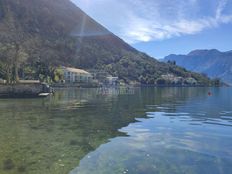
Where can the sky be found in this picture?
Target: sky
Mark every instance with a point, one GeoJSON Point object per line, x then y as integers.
{"type": "Point", "coordinates": [163, 27]}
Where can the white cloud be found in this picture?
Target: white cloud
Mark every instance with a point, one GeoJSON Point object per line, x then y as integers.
{"type": "Point", "coordinates": [220, 8]}
{"type": "Point", "coordinates": [143, 21]}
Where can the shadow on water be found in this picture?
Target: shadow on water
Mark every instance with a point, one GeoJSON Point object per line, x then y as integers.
{"type": "Point", "coordinates": [52, 135]}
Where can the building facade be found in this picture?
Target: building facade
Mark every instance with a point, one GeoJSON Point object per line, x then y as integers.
{"type": "Point", "coordinates": [74, 75]}
{"type": "Point", "coordinates": [112, 81]}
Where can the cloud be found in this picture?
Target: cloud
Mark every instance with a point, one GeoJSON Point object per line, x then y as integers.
{"type": "Point", "coordinates": [220, 8]}
{"type": "Point", "coordinates": [143, 21]}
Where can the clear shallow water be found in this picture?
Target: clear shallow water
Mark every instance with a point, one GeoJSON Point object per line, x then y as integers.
{"type": "Point", "coordinates": [154, 130]}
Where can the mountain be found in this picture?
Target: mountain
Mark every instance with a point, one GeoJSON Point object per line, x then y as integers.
{"type": "Point", "coordinates": [213, 63]}
{"type": "Point", "coordinates": [38, 34]}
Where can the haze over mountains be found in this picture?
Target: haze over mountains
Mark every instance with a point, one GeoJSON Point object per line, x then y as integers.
{"type": "Point", "coordinates": [214, 63]}
{"type": "Point", "coordinates": [56, 32]}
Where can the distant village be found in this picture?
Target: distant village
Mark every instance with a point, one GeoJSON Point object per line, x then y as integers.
{"type": "Point", "coordinates": [78, 78]}
{"type": "Point", "coordinates": [92, 78]}
{"type": "Point", "coordinates": [74, 77]}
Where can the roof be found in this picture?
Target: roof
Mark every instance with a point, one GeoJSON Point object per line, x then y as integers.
{"type": "Point", "coordinates": [29, 81]}
{"type": "Point", "coordinates": [112, 78]}
{"type": "Point", "coordinates": [75, 70]}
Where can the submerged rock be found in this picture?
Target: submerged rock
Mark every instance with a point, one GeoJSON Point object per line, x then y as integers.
{"type": "Point", "coordinates": [21, 168]}
{"type": "Point", "coordinates": [8, 164]}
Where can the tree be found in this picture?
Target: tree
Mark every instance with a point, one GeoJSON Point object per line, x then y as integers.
{"type": "Point", "coordinates": [161, 81]}
{"type": "Point", "coordinates": [11, 58]}
{"type": "Point", "coordinates": [6, 61]}
{"type": "Point", "coordinates": [217, 81]}
{"type": "Point", "coordinates": [12, 54]}
{"type": "Point", "coordinates": [58, 74]}
{"type": "Point", "coordinates": [171, 62]}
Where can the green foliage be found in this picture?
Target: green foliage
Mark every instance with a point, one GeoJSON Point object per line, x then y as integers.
{"type": "Point", "coordinates": [37, 41]}
{"type": "Point", "coordinates": [58, 74]}
{"type": "Point", "coordinates": [161, 81]}
{"type": "Point", "coordinates": [216, 82]}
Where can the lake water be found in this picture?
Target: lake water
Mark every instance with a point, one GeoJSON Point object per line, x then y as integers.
{"type": "Point", "coordinates": [135, 131]}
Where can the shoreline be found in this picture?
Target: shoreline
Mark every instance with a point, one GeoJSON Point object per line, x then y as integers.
{"type": "Point", "coordinates": [40, 90]}
{"type": "Point", "coordinates": [24, 90]}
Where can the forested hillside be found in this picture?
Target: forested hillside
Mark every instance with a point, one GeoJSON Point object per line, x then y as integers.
{"type": "Point", "coordinates": [213, 63]}
{"type": "Point", "coordinates": [37, 36]}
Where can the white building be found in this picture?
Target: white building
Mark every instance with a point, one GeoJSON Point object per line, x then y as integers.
{"type": "Point", "coordinates": [112, 80]}
{"type": "Point", "coordinates": [74, 75]}
{"type": "Point", "coordinates": [2, 81]}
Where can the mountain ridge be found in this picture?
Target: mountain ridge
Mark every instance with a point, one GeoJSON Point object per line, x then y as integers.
{"type": "Point", "coordinates": [214, 63]}
{"type": "Point", "coordinates": [57, 32]}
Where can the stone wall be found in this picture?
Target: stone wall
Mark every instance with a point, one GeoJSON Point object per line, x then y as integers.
{"type": "Point", "coordinates": [21, 90]}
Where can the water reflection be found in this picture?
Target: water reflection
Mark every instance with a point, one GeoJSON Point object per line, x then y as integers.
{"type": "Point", "coordinates": [180, 136]}
{"type": "Point", "coordinates": [112, 132]}
{"type": "Point", "coordinates": [51, 135]}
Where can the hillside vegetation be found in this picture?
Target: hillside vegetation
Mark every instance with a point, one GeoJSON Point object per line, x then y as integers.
{"type": "Point", "coordinates": [213, 63]}
{"type": "Point", "coordinates": [37, 36]}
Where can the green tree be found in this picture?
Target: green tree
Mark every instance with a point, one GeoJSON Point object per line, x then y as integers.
{"type": "Point", "coordinates": [12, 39]}
{"type": "Point", "coordinates": [7, 61]}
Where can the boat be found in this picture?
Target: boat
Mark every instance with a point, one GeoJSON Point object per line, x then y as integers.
{"type": "Point", "coordinates": [44, 94]}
